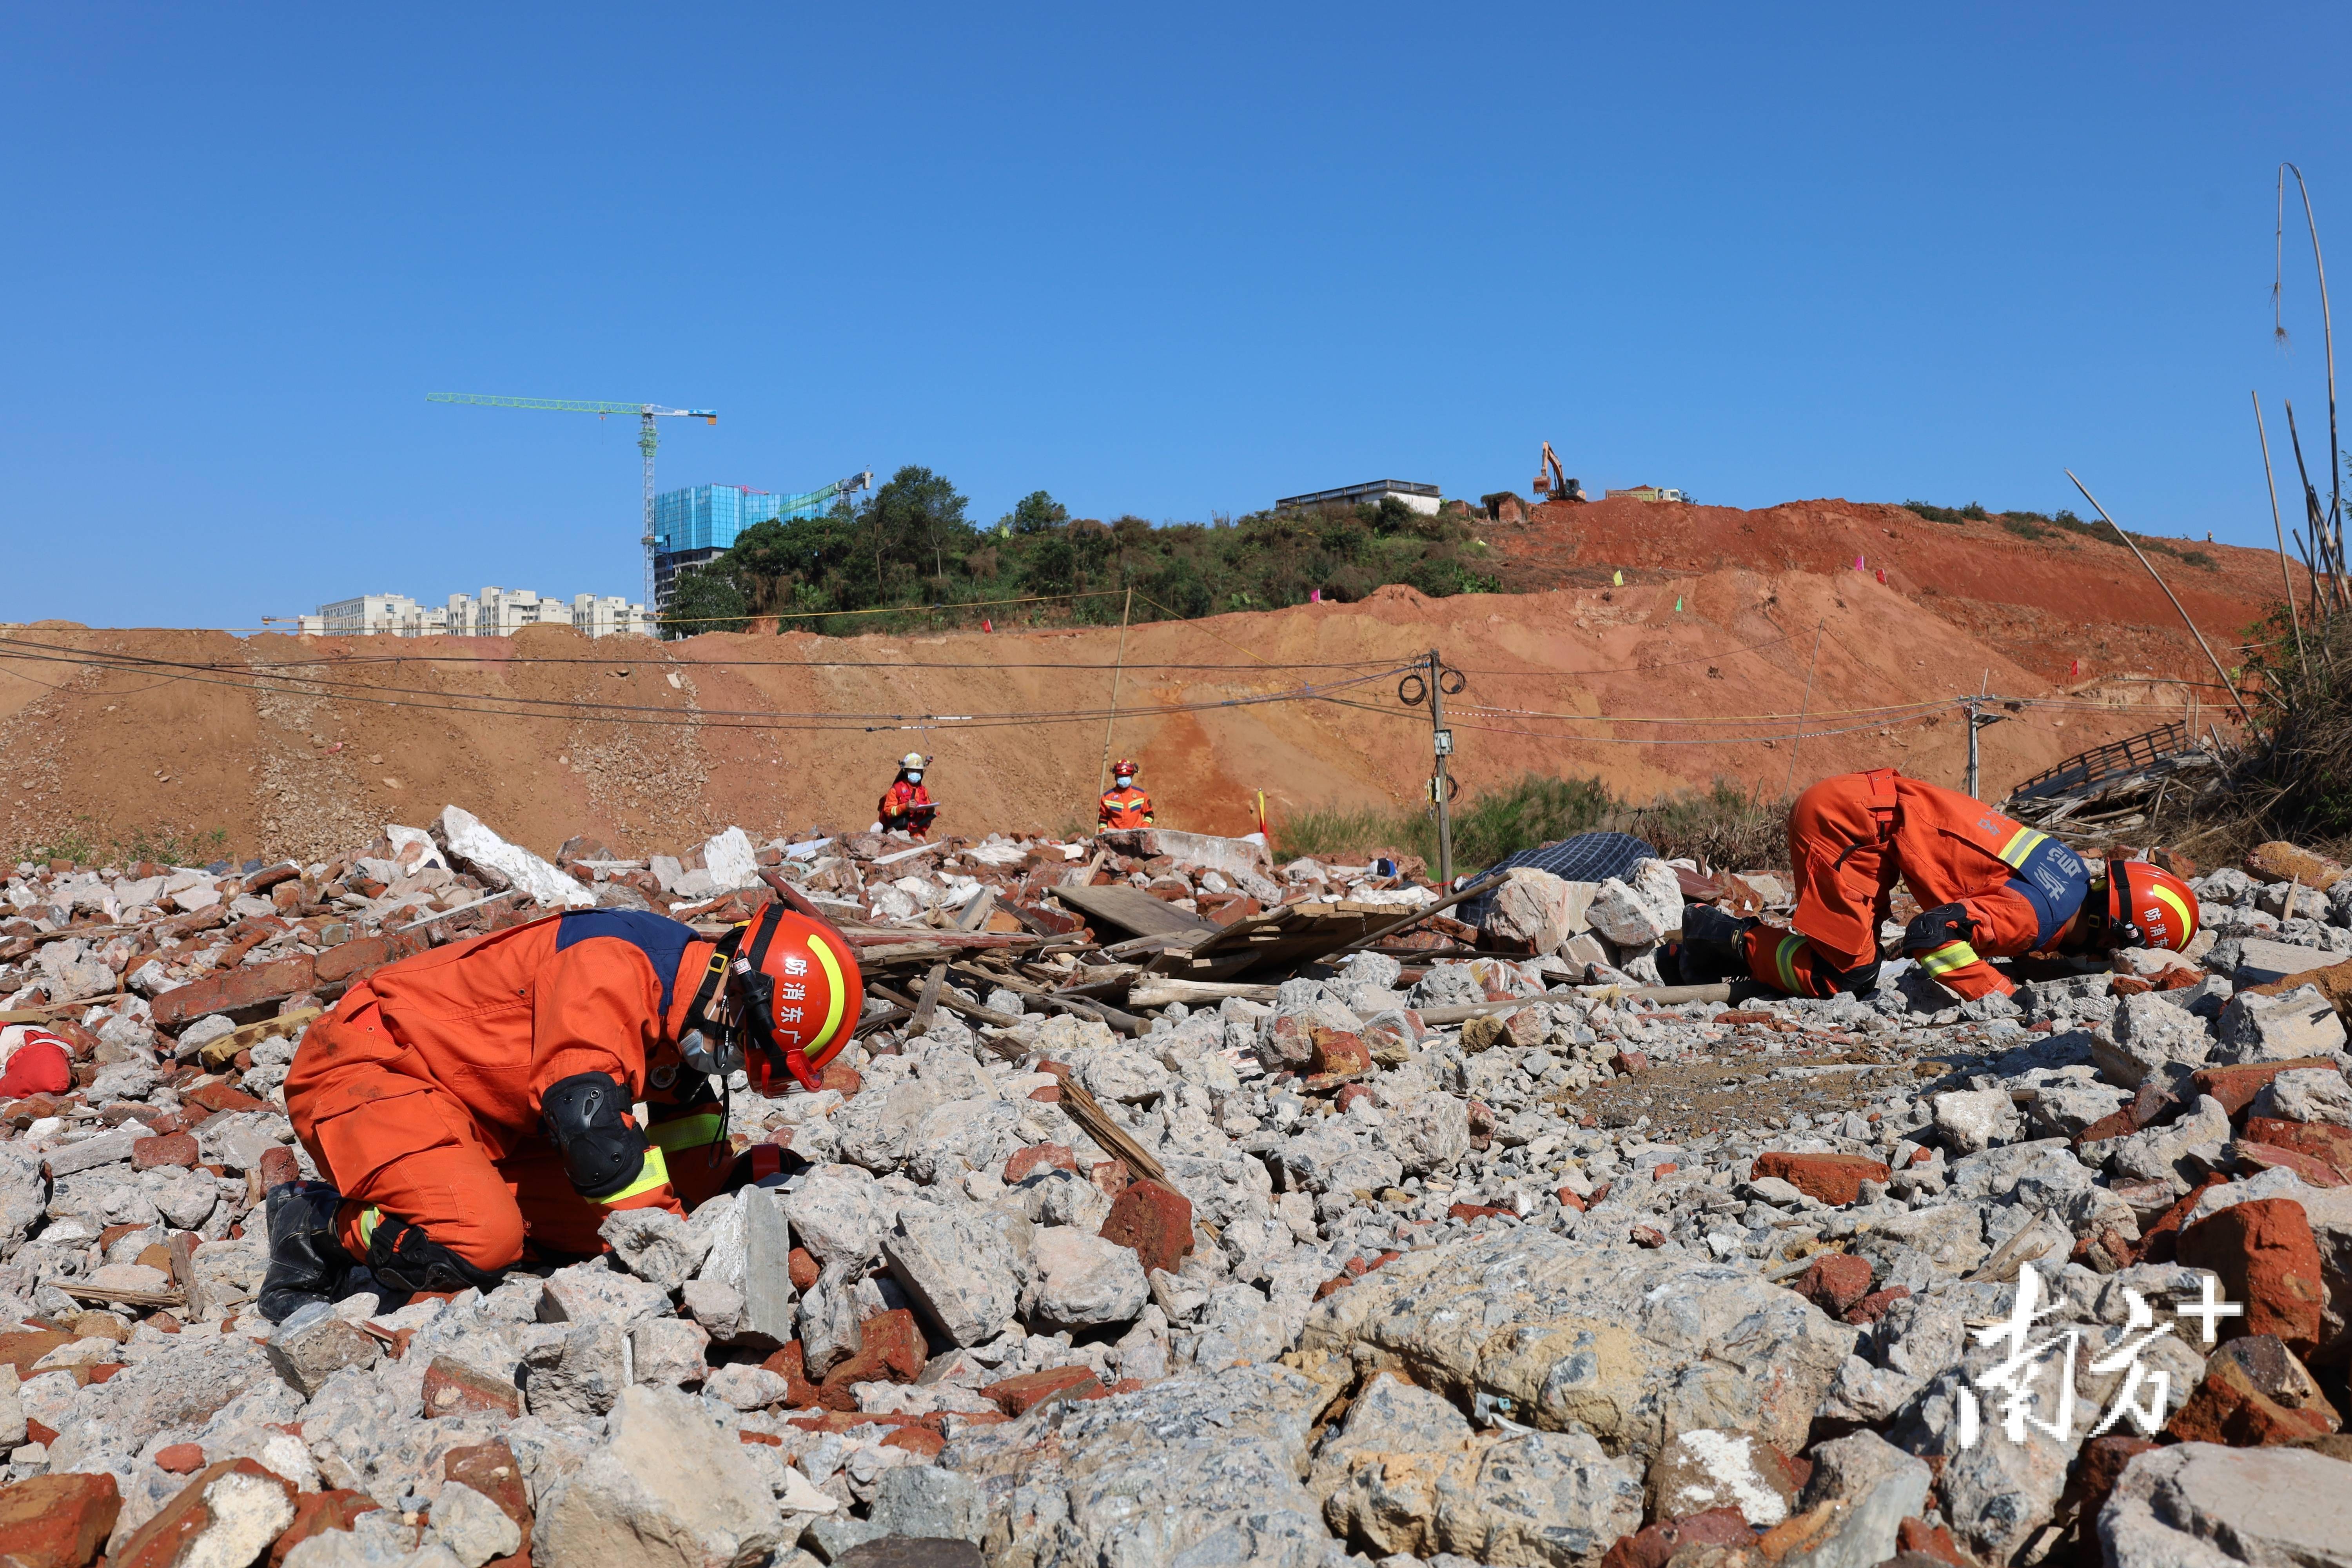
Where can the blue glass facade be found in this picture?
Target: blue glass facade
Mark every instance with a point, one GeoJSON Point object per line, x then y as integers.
{"type": "Point", "coordinates": [708, 517]}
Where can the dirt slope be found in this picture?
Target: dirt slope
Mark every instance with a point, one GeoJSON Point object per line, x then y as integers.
{"type": "Point", "coordinates": [783, 733]}
{"type": "Point", "coordinates": [2049, 602]}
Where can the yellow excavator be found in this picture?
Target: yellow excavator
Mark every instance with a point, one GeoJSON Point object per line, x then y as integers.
{"type": "Point", "coordinates": [1552, 482]}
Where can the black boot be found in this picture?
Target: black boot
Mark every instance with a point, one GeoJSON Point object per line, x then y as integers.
{"type": "Point", "coordinates": [306, 1263]}
{"type": "Point", "coordinates": [1709, 948]}
{"type": "Point", "coordinates": [402, 1258]}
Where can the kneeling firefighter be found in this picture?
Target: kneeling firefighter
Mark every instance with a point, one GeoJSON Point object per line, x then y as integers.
{"type": "Point", "coordinates": [1988, 887]}
{"type": "Point", "coordinates": [462, 1100]}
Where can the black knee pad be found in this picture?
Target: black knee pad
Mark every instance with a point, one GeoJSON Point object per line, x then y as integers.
{"type": "Point", "coordinates": [587, 1118]}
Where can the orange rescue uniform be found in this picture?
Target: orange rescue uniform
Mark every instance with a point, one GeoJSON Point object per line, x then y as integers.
{"type": "Point", "coordinates": [1128, 807]}
{"type": "Point", "coordinates": [1991, 887]}
{"type": "Point", "coordinates": [898, 808]}
{"type": "Point", "coordinates": [419, 1096]}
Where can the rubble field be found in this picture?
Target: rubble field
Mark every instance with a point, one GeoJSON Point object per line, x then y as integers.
{"type": "Point", "coordinates": [1173, 1206]}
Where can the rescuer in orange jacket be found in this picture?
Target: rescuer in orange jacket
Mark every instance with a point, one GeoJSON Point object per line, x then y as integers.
{"type": "Point", "coordinates": [1988, 886]}
{"type": "Point", "coordinates": [1123, 804]}
{"type": "Point", "coordinates": [907, 806]}
{"type": "Point", "coordinates": [459, 1101]}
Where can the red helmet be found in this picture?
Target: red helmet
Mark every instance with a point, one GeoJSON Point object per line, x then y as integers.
{"type": "Point", "coordinates": [800, 993]}
{"type": "Point", "coordinates": [1122, 769]}
{"type": "Point", "coordinates": [2147, 906]}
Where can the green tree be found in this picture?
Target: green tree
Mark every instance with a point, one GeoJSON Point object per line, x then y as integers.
{"type": "Point", "coordinates": [1035, 512]}
{"type": "Point", "coordinates": [704, 599]}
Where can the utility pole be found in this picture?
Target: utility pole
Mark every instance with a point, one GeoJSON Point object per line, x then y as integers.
{"type": "Point", "coordinates": [1977, 720]}
{"type": "Point", "coordinates": [1430, 676]}
{"type": "Point", "coordinates": [1442, 741]}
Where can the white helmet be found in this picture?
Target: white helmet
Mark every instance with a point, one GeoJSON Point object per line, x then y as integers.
{"type": "Point", "coordinates": [911, 760]}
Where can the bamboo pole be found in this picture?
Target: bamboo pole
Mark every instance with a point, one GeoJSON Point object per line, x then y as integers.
{"type": "Point", "coordinates": [2278, 529]}
{"type": "Point", "coordinates": [1102, 780]}
{"type": "Point", "coordinates": [2228, 684]}
{"type": "Point", "coordinates": [2328, 335]}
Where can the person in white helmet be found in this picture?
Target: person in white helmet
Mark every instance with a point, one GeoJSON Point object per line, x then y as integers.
{"type": "Point", "coordinates": [907, 806]}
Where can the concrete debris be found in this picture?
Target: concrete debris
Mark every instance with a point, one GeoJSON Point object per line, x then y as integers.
{"type": "Point", "coordinates": [1077, 1257]}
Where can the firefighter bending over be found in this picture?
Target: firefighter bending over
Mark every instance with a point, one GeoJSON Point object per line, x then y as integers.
{"type": "Point", "coordinates": [1989, 888]}
{"type": "Point", "coordinates": [462, 1100]}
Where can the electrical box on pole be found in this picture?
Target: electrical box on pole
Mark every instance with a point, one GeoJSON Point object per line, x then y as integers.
{"type": "Point", "coordinates": [1433, 682]}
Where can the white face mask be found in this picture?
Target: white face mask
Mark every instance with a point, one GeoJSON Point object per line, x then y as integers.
{"type": "Point", "coordinates": [916, 776]}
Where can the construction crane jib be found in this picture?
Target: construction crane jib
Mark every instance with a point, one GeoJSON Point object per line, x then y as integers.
{"type": "Point", "coordinates": [647, 440]}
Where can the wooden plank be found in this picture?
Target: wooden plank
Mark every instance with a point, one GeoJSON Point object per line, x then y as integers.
{"type": "Point", "coordinates": [1131, 909]}
{"type": "Point", "coordinates": [217, 1054]}
{"type": "Point", "coordinates": [1159, 991]}
{"type": "Point", "coordinates": [929, 1002]}
{"type": "Point", "coordinates": [126, 1297]}
{"type": "Point", "coordinates": [975, 913]}
{"type": "Point", "coordinates": [1086, 1111]}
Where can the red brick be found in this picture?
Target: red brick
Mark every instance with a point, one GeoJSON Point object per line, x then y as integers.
{"type": "Point", "coordinates": [890, 1349]}
{"type": "Point", "coordinates": [1660, 1172]}
{"type": "Point", "coordinates": [1827, 1178]}
{"type": "Point", "coordinates": [1019, 1395]}
{"type": "Point", "coordinates": [315, 1513]}
{"type": "Point", "coordinates": [1349, 1094]}
{"type": "Point", "coordinates": [453, 1388]}
{"type": "Point", "coordinates": [1569, 1199]}
{"type": "Point", "coordinates": [172, 1149]}
{"type": "Point", "coordinates": [1155, 1221]}
{"type": "Point", "coordinates": [1651, 1547]}
{"type": "Point", "coordinates": [2097, 1467]}
{"type": "Point", "coordinates": [1647, 1236]}
{"type": "Point", "coordinates": [1339, 1051]}
{"type": "Point", "coordinates": [2266, 1258]}
{"type": "Point", "coordinates": [2236, 1086]}
{"type": "Point", "coordinates": [842, 1078]}
{"type": "Point", "coordinates": [1478, 1211]}
{"type": "Point", "coordinates": [279, 1166]}
{"type": "Point", "coordinates": [803, 1267]}
{"type": "Point", "coordinates": [241, 990]}
{"type": "Point", "coordinates": [2159, 1240]}
{"type": "Point", "coordinates": [919, 1441]}
{"type": "Point", "coordinates": [58, 1521]}
{"type": "Point", "coordinates": [177, 1531]}
{"type": "Point", "coordinates": [341, 962]}
{"type": "Point", "coordinates": [1935, 1541]}
{"type": "Point", "coordinates": [2319, 1141]}
{"type": "Point", "coordinates": [2254, 1392]}
{"type": "Point", "coordinates": [1482, 1122]}
{"type": "Point", "coordinates": [800, 1393]}
{"type": "Point", "coordinates": [1110, 1177]}
{"type": "Point", "coordinates": [1834, 1281]}
{"type": "Point", "coordinates": [1629, 1063]}
{"type": "Point", "coordinates": [29, 1346]}
{"type": "Point", "coordinates": [490, 1469]}
{"type": "Point", "coordinates": [221, 1100]}
{"type": "Point", "coordinates": [1036, 1157]}
{"type": "Point", "coordinates": [2253, 1158]}
{"type": "Point", "coordinates": [1873, 1307]}
{"type": "Point", "coordinates": [180, 1458]}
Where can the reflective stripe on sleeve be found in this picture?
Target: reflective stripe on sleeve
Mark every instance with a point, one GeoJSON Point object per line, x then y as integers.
{"type": "Point", "coordinates": [1951, 957]}
{"type": "Point", "coordinates": [686, 1132]}
{"type": "Point", "coordinates": [654, 1173]}
{"type": "Point", "coordinates": [2022, 844]}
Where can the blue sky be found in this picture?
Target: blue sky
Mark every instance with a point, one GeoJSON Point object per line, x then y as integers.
{"type": "Point", "coordinates": [1172, 267]}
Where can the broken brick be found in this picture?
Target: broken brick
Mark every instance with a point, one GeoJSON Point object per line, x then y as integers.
{"type": "Point", "coordinates": [1833, 1179]}
{"type": "Point", "coordinates": [1155, 1221]}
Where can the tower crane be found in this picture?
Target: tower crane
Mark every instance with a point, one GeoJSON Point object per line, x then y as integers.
{"type": "Point", "coordinates": [647, 440]}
